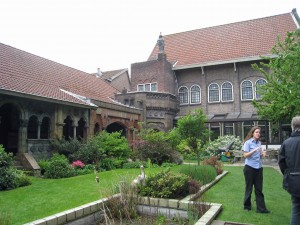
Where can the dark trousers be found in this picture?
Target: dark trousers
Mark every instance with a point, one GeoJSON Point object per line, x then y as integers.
{"type": "Point", "coordinates": [295, 218]}
{"type": "Point", "coordinates": [254, 177]}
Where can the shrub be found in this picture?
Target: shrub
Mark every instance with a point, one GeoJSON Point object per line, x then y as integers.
{"type": "Point", "coordinates": [7, 172]}
{"type": "Point", "coordinates": [6, 159]}
{"type": "Point", "coordinates": [166, 164]}
{"type": "Point", "coordinates": [8, 179]}
{"type": "Point", "coordinates": [154, 145]}
{"type": "Point", "coordinates": [214, 162]}
{"type": "Point", "coordinates": [203, 174]}
{"type": "Point", "coordinates": [21, 179]}
{"type": "Point", "coordinates": [66, 147]}
{"type": "Point", "coordinates": [44, 164]}
{"type": "Point", "coordinates": [134, 164]}
{"type": "Point", "coordinates": [222, 142]}
{"type": "Point", "coordinates": [165, 185]}
{"type": "Point", "coordinates": [59, 167]}
{"type": "Point", "coordinates": [78, 164]}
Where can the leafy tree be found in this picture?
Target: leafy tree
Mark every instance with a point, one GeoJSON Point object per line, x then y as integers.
{"type": "Point", "coordinates": [112, 145]}
{"type": "Point", "coordinates": [281, 96]}
{"type": "Point", "coordinates": [156, 146]}
{"type": "Point", "coordinates": [192, 128]}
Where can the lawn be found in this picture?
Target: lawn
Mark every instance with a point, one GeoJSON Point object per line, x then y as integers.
{"type": "Point", "coordinates": [46, 197]}
{"type": "Point", "coordinates": [230, 192]}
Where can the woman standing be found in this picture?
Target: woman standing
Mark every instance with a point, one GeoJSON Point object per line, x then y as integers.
{"type": "Point", "coordinates": [253, 170]}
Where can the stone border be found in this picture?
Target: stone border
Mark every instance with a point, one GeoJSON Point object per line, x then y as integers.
{"type": "Point", "coordinates": [94, 210]}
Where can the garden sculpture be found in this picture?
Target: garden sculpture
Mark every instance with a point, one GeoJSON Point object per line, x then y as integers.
{"type": "Point", "coordinates": [140, 178]}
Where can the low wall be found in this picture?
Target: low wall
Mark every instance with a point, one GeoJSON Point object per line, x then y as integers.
{"type": "Point", "coordinates": [93, 211]}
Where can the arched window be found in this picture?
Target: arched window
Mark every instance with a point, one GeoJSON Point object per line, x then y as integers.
{"type": "Point", "coordinates": [45, 128]}
{"type": "Point", "coordinates": [32, 128]}
{"type": "Point", "coordinates": [213, 93]}
{"type": "Point", "coordinates": [195, 94]}
{"type": "Point", "coordinates": [80, 129]}
{"type": "Point", "coordinates": [247, 90]}
{"type": "Point", "coordinates": [227, 94]}
{"type": "Point", "coordinates": [183, 95]}
{"type": "Point", "coordinates": [259, 83]}
{"type": "Point", "coordinates": [68, 132]}
{"type": "Point", "coordinates": [96, 129]}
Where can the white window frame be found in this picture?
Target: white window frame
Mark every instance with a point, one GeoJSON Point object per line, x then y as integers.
{"type": "Point", "coordinates": [246, 99]}
{"type": "Point", "coordinates": [187, 92]}
{"type": "Point", "coordinates": [198, 102]}
{"type": "Point", "coordinates": [257, 86]}
{"type": "Point", "coordinates": [227, 82]}
{"type": "Point", "coordinates": [150, 85]}
{"type": "Point", "coordinates": [209, 92]}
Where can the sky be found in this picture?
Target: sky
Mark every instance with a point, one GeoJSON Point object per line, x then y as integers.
{"type": "Point", "coordinates": [113, 34]}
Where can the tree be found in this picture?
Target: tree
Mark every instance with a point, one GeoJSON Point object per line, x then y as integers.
{"type": "Point", "coordinates": [192, 128]}
{"type": "Point", "coordinates": [281, 95]}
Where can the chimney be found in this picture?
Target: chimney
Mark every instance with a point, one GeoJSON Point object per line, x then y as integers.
{"type": "Point", "coordinates": [99, 73]}
{"type": "Point", "coordinates": [161, 45]}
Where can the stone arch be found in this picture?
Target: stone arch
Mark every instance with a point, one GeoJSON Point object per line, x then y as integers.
{"type": "Point", "coordinates": [45, 127]}
{"type": "Point", "coordinates": [97, 128]}
{"type": "Point", "coordinates": [116, 126]}
{"type": "Point", "coordinates": [68, 131]}
{"type": "Point", "coordinates": [32, 127]}
{"type": "Point", "coordinates": [81, 129]}
{"type": "Point", "coordinates": [11, 117]}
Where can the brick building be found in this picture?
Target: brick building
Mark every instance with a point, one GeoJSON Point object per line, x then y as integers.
{"type": "Point", "coordinates": [41, 100]}
{"type": "Point", "coordinates": [210, 68]}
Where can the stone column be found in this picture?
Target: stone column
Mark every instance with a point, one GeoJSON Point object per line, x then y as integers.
{"type": "Point", "coordinates": [59, 124]}
{"type": "Point", "coordinates": [22, 137]}
{"type": "Point", "coordinates": [39, 130]}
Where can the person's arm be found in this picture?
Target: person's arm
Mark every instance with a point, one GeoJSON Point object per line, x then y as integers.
{"type": "Point", "coordinates": [281, 161]}
{"type": "Point", "coordinates": [248, 154]}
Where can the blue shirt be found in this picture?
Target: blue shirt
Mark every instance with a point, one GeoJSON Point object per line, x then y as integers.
{"type": "Point", "coordinates": [254, 160]}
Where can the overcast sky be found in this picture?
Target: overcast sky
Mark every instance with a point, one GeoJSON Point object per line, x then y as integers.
{"type": "Point", "coordinates": [112, 34]}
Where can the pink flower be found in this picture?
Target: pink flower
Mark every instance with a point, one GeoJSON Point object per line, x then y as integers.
{"type": "Point", "coordinates": [78, 164]}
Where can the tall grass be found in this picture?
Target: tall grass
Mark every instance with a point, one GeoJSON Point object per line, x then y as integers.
{"type": "Point", "coordinates": [204, 173]}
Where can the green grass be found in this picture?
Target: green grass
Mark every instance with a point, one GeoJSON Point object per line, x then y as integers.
{"type": "Point", "coordinates": [46, 197]}
{"type": "Point", "coordinates": [49, 196]}
{"type": "Point", "coordinates": [230, 192]}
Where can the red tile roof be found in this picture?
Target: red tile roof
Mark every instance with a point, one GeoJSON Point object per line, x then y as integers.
{"type": "Point", "coordinates": [110, 75]}
{"type": "Point", "coordinates": [246, 39]}
{"type": "Point", "coordinates": [26, 73]}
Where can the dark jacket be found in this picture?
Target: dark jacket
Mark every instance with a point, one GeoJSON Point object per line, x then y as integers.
{"type": "Point", "coordinates": [289, 155]}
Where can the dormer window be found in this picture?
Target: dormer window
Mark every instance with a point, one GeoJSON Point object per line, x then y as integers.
{"type": "Point", "coordinates": [150, 87]}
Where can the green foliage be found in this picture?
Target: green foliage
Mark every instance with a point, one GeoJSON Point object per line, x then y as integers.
{"type": "Point", "coordinates": [134, 164]}
{"type": "Point", "coordinates": [155, 145]}
{"type": "Point", "coordinates": [112, 144]}
{"type": "Point", "coordinates": [5, 158]}
{"type": "Point", "coordinates": [66, 147]}
{"type": "Point", "coordinates": [7, 172]}
{"type": "Point", "coordinates": [166, 164]}
{"type": "Point", "coordinates": [21, 179]}
{"type": "Point", "coordinates": [281, 96]}
{"type": "Point", "coordinates": [7, 179]}
{"type": "Point", "coordinates": [88, 153]}
{"type": "Point", "coordinates": [165, 184]}
{"type": "Point", "coordinates": [204, 173]}
{"type": "Point", "coordinates": [59, 167]}
{"type": "Point", "coordinates": [222, 142]}
{"type": "Point", "coordinates": [192, 128]}
{"type": "Point", "coordinates": [44, 164]}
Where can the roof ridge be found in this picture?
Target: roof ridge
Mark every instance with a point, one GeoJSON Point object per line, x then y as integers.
{"type": "Point", "coordinates": [242, 21]}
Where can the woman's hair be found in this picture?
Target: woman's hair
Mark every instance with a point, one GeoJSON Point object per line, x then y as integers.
{"type": "Point", "coordinates": [250, 134]}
